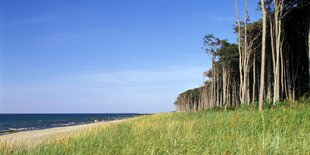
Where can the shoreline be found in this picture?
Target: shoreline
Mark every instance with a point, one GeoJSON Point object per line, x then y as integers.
{"type": "Point", "coordinates": [33, 138]}
{"type": "Point", "coordinates": [18, 130]}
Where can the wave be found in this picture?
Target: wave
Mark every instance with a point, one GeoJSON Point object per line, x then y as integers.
{"type": "Point", "coordinates": [45, 126]}
{"type": "Point", "coordinates": [11, 123]}
{"type": "Point", "coordinates": [13, 130]}
{"type": "Point", "coordinates": [64, 124]}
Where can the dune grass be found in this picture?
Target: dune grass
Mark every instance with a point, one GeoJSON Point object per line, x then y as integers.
{"type": "Point", "coordinates": [281, 130]}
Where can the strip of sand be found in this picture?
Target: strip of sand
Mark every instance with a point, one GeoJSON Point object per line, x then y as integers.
{"type": "Point", "coordinates": [35, 137]}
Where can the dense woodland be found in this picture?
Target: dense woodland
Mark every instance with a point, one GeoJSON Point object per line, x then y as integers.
{"type": "Point", "coordinates": [270, 62]}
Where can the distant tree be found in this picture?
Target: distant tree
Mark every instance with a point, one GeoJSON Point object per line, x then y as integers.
{"type": "Point", "coordinates": [212, 44]}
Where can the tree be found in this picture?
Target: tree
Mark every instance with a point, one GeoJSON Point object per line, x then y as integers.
{"type": "Point", "coordinates": [283, 55]}
{"type": "Point", "coordinates": [263, 60]}
{"type": "Point", "coordinates": [246, 45]}
{"type": "Point", "coordinates": [212, 44]}
{"type": "Point", "coordinates": [244, 56]}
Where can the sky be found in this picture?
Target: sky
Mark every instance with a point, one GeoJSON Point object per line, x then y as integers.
{"type": "Point", "coordinates": [106, 56]}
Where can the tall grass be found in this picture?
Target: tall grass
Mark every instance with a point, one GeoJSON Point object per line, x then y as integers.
{"type": "Point", "coordinates": [281, 130]}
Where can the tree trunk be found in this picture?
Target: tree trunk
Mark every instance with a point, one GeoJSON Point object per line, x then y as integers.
{"type": "Point", "coordinates": [278, 5]}
{"type": "Point", "coordinates": [240, 54]}
{"type": "Point", "coordinates": [213, 86]}
{"type": "Point", "coordinates": [269, 72]}
{"type": "Point", "coordinates": [245, 64]}
{"type": "Point", "coordinates": [217, 90]}
{"type": "Point", "coordinates": [228, 92]}
{"type": "Point", "coordinates": [262, 81]}
{"type": "Point", "coordinates": [224, 86]}
{"type": "Point", "coordinates": [247, 100]}
{"type": "Point", "coordinates": [272, 41]}
{"type": "Point", "coordinates": [254, 80]}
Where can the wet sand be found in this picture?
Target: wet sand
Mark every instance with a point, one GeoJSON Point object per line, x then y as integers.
{"type": "Point", "coordinates": [35, 137]}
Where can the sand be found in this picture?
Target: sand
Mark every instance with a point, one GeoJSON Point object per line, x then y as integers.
{"type": "Point", "coordinates": [35, 137]}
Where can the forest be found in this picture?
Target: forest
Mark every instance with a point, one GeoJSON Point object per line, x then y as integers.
{"type": "Point", "coordinates": [269, 63]}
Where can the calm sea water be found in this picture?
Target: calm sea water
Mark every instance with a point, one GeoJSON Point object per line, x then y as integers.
{"type": "Point", "coordinates": [10, 123]}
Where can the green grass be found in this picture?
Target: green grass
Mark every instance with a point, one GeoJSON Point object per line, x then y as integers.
{"type": "Point", "coordinates": [279, 130]}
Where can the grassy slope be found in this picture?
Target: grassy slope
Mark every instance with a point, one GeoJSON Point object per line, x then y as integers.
{"type": "Point", "coordinates": [282, 130]}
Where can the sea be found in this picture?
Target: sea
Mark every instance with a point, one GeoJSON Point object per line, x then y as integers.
{"type": "Point", "coordinates": [11, 123]}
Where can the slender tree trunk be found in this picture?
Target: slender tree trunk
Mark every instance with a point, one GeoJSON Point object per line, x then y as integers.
{"type": "Point", "coordinates": [278, 5]}
{"type": "Point", "coordinates": [254, 80]}
{"type": "Point", "coordinates": [224, 86]}
{"type": "Point", "coordinates": [217, 90]}
{"type": "Point", "coordinates": [240, 54]}
{"type": "Point", "coordinates": [228, 90]}
{"type": "Point", "coordinates": [271, 70]}
{"type": "Point", "coordinates": [248, 90]}
{"type": "Point", "coordinates": [283, 76]}
{"type": "Point", "coordinates": [232, 94]}
{"type": "Point", "coordinates": [262, 81]}
{"type": "Point", "coordinates": [272, 41]}
{"type": "Point", "coordinates": [246, 57]}
{"type": "Point", "coordinates": [213, 86]}
{"type": "Point", "coordinates": [268, 72]}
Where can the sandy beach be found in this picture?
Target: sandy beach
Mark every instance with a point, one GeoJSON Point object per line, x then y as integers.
{"type": "Point", "coordinates": [35, 137]}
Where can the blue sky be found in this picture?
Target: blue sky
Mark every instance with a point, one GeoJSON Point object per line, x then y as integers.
{"type": "Point", "coordinates": [107, 56]}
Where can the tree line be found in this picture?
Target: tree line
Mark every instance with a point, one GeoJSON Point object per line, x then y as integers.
{"type": "Point", "coordinates": [269, 63]}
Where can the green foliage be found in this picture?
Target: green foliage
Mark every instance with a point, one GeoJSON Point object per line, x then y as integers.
{"type": "Point", "coordinates": [192, 94]}
{"type": "Point", "coordinates": [281, 129]}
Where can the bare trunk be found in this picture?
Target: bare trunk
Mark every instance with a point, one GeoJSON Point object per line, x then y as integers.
{"type": "Point", "coordinates": [240, 53]}
{"type": "Point", "coordinates": [217, 90]}
{"type": "Point", "coordinates": [213, 87]}
{"type": "Point", "coordinates": [228, 92]}
{"type": "Point", "coordinates": [272, 41]}
{"type": "Point", "coordinates": [283, 76]}
{"type": "Point", "coordinates": [248, 90]}
{"type": "Point", "coordinates": [269, 72]}
{"type": "Point", "coordinates": [262, 81]}
{"type": "Point", "coordinates": [224, 86]}
{"type": "Point", "coordinates": [254, 80]}
{"type": "Point", "coordinates": [278, 5]}
{"type": "Point", "coordinates": [246, 57]}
